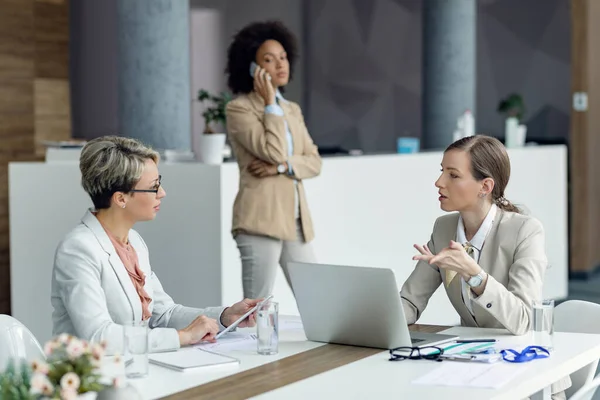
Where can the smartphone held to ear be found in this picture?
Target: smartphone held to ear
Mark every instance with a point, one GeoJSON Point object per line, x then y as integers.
{"type": "Point", "coordinates": [253, 67]}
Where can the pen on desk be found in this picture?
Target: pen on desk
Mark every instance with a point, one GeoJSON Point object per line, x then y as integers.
{"type": "Point", "coordinates": [476, 340]}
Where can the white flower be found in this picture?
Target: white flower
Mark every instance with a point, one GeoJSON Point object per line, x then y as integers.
{"type": "Point", "coordinates": [49, 348]}
{"type": "Point", "coordinates": [70, 381]}
{"type": "Point", "coordinates": [40, 384]}
{"type": "Point", "coordinates": [75, 349]}
{"type": "Point", "coordinates": [85, 345]}
{"type": "Point", "coordinates": [64, 338]}
{"type": "Point", "coordinates": [68, 394]}
{"type": "Point", "coordinates": [40, 367]}
{"type": "Point", "coordinates": [97, 352]}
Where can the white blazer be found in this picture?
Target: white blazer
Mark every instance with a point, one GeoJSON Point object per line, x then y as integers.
{"type": "Point", "coordinates": [93, 296]}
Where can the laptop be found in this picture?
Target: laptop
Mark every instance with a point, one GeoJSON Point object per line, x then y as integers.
{"type": "Point", "coordinates": [357, 306]}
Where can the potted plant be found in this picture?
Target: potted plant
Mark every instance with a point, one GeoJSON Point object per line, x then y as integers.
{"type": "Point", "coordinates": [512, 106]}
{"type": "Point", "coordinates": [216, 112]}
{"type": "Point", "coordinates": [208, 146]}
{"type": "Point", "coordinates": [513, 109]}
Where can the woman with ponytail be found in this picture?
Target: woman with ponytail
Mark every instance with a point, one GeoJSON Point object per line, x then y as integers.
{"type": "Point", "coordinates": [490, 258]}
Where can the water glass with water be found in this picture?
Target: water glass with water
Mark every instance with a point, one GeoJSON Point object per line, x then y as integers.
{"type": "Point", "coordinates": [135, 342]}
{"type": "Point", "coordinates": [543, 323]}
{"type": "Point", "coordinates": [267, 326]}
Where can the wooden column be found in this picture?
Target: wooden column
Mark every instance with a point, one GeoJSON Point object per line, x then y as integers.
{"type": "Point", "coordinates": [34, 95]}
{"type": "Point", "coordinates": [585, 139]}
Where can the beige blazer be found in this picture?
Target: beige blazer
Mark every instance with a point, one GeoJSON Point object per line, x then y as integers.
{"type": "Point", "coordinates": [513, 255]}
{"type": "Point", "coordinates": [265, 206]}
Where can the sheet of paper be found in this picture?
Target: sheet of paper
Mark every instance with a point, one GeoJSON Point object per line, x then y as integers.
{"type": "Point", "coordinates": [231, 341]}
{"type": "Point", "coordinates": [471, 374]}
{"type": "Point", "coordinates": [290, 325]}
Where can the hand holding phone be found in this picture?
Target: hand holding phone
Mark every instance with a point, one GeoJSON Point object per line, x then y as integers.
{"type": "Point", "coordinates": [262, 83]}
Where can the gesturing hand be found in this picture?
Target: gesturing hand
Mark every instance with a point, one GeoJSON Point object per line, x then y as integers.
{"type": "Point", "coordinates": [425, 254]}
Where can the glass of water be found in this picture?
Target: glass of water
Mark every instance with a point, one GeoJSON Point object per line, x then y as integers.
{"type": "Point", "coordinates": [543, 323]}
{"type": "Point", "coordinates": [267, 326]}
{"type": "Point", "coordinates": [135, 351]}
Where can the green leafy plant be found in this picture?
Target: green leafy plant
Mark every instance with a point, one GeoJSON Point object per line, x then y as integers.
{"type": "Point", "coordinates": [15, 382]}
{"type": "Point", "coordinates": [216, 112]}
{"type": "Point", "coordinates": [512, 106]}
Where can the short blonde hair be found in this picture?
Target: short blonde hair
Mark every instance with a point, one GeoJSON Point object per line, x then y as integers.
{"type": "Point", "coordinates": [111, 164]}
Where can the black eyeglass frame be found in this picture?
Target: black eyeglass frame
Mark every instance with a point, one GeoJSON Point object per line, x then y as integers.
{"type": "Point", "coordinates": [411, 356]}
{"type": "Point", "coordinates": [155, 191]}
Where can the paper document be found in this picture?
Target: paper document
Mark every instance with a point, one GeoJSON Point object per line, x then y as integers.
{"type": "Point", "coordinates": [231, 341]}
{"type": "Point", "coordinates": [191, 359]}
{"type": "Point", "coordinates": [469, 374]}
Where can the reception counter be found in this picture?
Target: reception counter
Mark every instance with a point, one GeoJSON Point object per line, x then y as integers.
{"type": "Point", "coordinates": [367, 211]}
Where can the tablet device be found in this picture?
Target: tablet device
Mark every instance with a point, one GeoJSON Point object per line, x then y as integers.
{"type": "Point", "coordinates": [243, 317]}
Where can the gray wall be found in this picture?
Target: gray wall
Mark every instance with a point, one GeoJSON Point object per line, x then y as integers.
{"type": "Point", "coordinates": [361, 64]}
{"type": "Point", "coordinates": [93, 67]}
{"type": "Point", "coordinates": [365, 68]}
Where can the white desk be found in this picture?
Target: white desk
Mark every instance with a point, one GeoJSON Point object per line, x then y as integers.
{"type": "Point", "coordinates": [163, 381]}
{"type": "Point", "coordinates": [367, 211]}
{"type": "Point", "coordinates": [376, 377]}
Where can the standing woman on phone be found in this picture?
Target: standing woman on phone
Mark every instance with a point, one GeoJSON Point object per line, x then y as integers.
{"type": "Point", "coordinates": [275, 153]}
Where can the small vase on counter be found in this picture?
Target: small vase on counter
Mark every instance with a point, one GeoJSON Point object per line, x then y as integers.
{"type": "Point", "coordinates": [514, 133]}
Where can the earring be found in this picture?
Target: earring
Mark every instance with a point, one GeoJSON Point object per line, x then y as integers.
{"type": "Point", "coordinates": [482, 195]}
{"type": "Point", "coordinates": [123, 206]}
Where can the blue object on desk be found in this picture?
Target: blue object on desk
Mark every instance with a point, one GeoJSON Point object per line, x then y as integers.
{"type": "Point", "coordinates": [529, 353]}
{"type": "Point", "coordinates": [407, 145]}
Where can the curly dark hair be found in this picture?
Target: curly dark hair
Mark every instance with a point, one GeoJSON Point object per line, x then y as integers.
{"type": "Point", "coordinates": [242, 51]}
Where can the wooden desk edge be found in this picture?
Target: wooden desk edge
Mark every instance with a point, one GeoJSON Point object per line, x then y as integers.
{"type": "Point", "coordinates": [288, 370]}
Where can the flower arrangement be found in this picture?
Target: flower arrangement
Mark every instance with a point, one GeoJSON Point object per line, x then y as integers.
{"type": "Point", "coordinates": [71, 368]}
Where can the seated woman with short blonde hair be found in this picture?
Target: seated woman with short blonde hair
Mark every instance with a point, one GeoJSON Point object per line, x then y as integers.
{"type": "Point", "coordinates": [102, 279]}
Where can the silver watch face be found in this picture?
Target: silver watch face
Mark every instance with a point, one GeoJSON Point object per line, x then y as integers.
{"type": "Point", "coordinates": [475, 281]}
{"type": "Point", "coordinates": [281, 168]}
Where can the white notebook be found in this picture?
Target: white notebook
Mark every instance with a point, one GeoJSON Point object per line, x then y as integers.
{"type": "Point", "coordinates": [192, 359]}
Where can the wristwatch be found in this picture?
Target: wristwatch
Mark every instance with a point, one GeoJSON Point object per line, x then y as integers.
{"type": "Point", "coordinates": [281, 168]}
{"type": "Point", "coordinates": [476, 280]}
